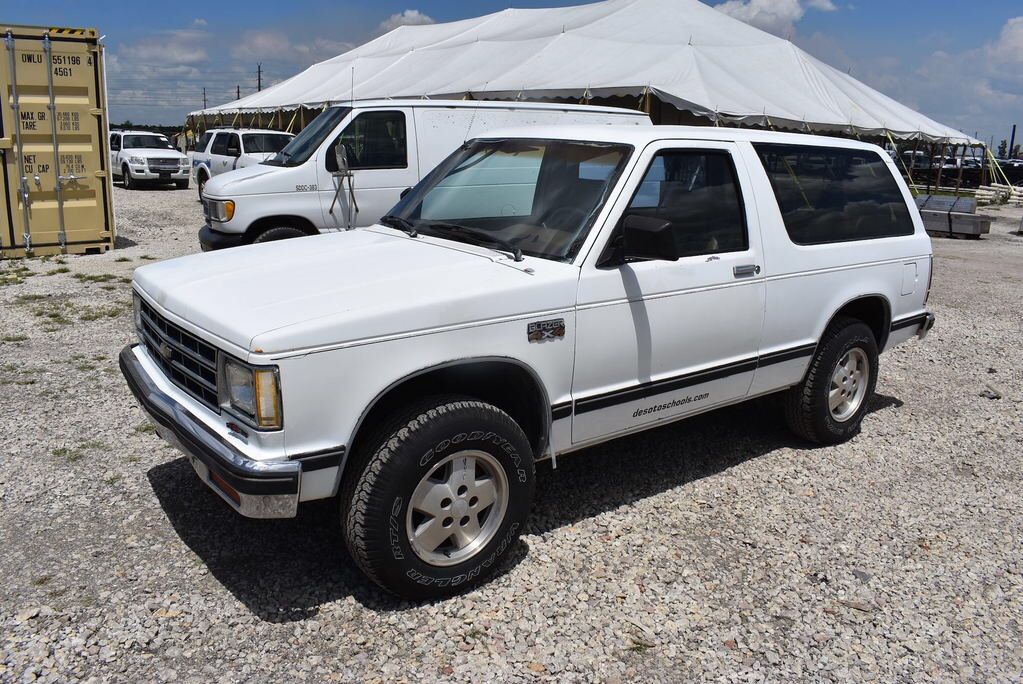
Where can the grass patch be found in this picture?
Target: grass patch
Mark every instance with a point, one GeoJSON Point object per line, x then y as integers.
{"type": "Point", "coordinates": [146, 429]}
{"type": "Point", "coordinates": [62, 269]}
{"type": "Point", "coordinates": [146, 257]}
{"type": "Point", "coordinates": [52, 313]}
{"type": "Point", "coordinates": [96, 313]}
{"type": "Point", "coordinates": [77, 453]}
{"type": "Point", "coordinates": [113, 479]}
{"type": "Point", "coordinates": [122, 260]}
{"type": "Point", "coordinates": [15, 276]}
{"type": "Point", "coordinates": [95, 277]}
{"type": "Point", "coordinates": [14, 338]}
{"type": "Point", "coordinates": [29, 298]}
{"type": "Point", "coordinates": [107, 287]}
{"type": "Point", "coordinates": [42, 580]}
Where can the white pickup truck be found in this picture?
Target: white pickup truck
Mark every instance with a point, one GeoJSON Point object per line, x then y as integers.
{"type": "Point", "coordinates": [538, 293]}
{"type": "Point", "coordinates": [143, 156]}
{"type": "Point", "coordinates": [226, 149]}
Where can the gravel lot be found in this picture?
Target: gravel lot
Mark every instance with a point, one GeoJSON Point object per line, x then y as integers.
{"type": "Point", "coordinates": [719, 548]}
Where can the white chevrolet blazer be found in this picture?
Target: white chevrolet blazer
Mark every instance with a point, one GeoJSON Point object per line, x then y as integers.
{"type": "Point", "coordinates": [543, 290]}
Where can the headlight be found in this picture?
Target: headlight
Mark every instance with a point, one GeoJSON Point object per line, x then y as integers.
{"type": "Point", "coordinates": [253, 392]}
{"type": "Point", "coordinates": [184, 163]}
{"type": "Point", "coordinates": [137, 160]}
{"type": "Point", "coordinates": [136, 303]}
{"type": "Point", "coordinates": [221, 210]}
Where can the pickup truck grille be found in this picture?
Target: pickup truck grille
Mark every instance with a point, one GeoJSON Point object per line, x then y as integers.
{"type": "Point", "coordinates": [190, 363]}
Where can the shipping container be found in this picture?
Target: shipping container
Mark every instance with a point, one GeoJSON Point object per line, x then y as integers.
{"type": "Point", "coordinates": [54, 140]}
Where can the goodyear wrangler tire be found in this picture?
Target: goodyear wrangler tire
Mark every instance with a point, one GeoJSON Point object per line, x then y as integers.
{"type": "Point", "coordinates": [439, 498]}
{"type": "Point", "coordinates": [829, 405]}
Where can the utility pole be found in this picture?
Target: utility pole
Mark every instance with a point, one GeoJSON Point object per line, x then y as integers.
{"type": "Point", "coordinates": [259, 76]}
{"type": "Point", "coordinates": [204, 98]}
{"type": "Point", "coordinates": [237, 92]}
{"type": "Point", "coordinates": [1012, 142]}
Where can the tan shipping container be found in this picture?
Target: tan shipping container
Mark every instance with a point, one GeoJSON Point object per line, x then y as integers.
{"type": "Point", "coordinates": [54, 142]}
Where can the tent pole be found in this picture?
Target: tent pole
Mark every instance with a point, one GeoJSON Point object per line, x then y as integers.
{"type": "Point", "coordinates": [292, 122]}
{"type": "Point", "coordinates": [941, 167]}
{"type": "Point", "coordinates": [909, 173]}
{"type": "Point", "coordinates": [959, 176]}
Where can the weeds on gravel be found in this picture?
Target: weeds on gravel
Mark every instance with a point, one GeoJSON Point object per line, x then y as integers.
{"type": "Point", "coordinates": [94, 277]}
{"type": "Point", "coordinates": [53, 313]}
{"type": "Point", "coordinates": [77, 453]}
{"type": "Point", "coordinates": [41, 580]}
{"type": "Point", "coordinates": [146, 429]}
{"type": "Point", "coordinates": [29, 298]}
{"type": "Point", "coordinates": [15, 276]}
{"type": "Point", "coordinates": [12, 339]}
{"type": "Point", "coordinates": [146, 257]}
{"type": "Point", "coordinates": [96, 313]}
{"type": "Point", "coordinates": [122, 260]}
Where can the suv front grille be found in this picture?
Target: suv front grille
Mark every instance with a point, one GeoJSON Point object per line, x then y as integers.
{"type": "Point", "coordinates": [164, 164]}
{"type": "Point", "coordinates": [190, 363]}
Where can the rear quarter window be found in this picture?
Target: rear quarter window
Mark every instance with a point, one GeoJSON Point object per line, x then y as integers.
{"type": "Point", "coordinates": [834, 194]}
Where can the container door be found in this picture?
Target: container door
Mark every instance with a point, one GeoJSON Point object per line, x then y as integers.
{"type": "Point", "coordinates": [57, 142]}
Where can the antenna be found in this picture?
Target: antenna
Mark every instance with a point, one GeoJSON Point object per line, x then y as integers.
{"type": "Point", "coordinates": [351, 93]}
{"type": "Point", "coordinates": [474, 110]}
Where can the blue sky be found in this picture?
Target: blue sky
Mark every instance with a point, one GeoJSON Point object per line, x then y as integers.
{"type": "Point", "coordinates": [958, 62]}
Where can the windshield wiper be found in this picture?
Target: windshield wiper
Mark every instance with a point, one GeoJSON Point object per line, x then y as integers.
{"type": "Point", "coordinates": [402, 224]}
{"type": "Point", "coordinates": [477, 236]}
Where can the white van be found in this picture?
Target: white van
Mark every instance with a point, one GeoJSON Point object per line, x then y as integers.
{"type": "Point", "coordinates": [390, 145]}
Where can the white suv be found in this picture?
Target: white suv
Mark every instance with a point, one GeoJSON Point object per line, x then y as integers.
{"type": "Point", "coordinates": [541, 291]}
{"type": "Point", "coordinates": [145, 156]}
{"type": "Point", "coordinates": [227, 149]}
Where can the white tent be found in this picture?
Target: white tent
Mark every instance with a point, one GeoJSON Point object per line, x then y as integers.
{"type": "Point", "coordinates": [682, 52]}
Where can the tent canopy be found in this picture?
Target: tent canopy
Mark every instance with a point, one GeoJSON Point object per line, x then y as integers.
{"type": "Point", "coordinates": [683, 52]}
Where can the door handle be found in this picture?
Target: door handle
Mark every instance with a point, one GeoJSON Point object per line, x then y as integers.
{"type": "Point", "coordinates": [746, 270]}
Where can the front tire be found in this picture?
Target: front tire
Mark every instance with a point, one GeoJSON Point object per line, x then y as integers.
{"type": "Point", "coordinates": [438, 499]}
{"type": "Point", "coordinates": [829, 405]}
{"type": "Point", "coordinates": [127, 180]}
{"type": "Point", "coordinates": [201, 184]}
{"type": "Point", "coordinates": [278, 233]}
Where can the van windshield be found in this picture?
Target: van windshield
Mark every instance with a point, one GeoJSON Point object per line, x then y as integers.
{"type": "Point", "coordinates": [537, 196]}
{"type": "Point", "coordinates": [303, 145]}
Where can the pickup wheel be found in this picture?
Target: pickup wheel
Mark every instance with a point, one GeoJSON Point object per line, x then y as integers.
{"type": "Point", "coordinates": [278, 233]}
{"type": "Point", "coordinates": [438, 498]}
{"type": "Point", "coordinates": [829, 405]}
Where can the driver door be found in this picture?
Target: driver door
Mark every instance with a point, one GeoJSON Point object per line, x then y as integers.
{"type": "Point", "coordinates": [660, 339]}
{"type": "Point", "coordinates": [382, 158]}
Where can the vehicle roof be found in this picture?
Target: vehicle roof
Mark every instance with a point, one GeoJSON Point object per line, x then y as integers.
{"type": "Point", "coordinates": [639, 136]}
{"type": "Point", "coordinates": [488, 104]}
{"type": "Point", "coordinates": [134, 132]}
{"type": "Point", "coordinates": [226, 129]}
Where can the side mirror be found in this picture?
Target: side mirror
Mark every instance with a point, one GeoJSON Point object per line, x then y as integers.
{"type": "Point", "coordinates": [646, 237]}
{"type": "Point", "coordinates": [404, 192]}
{"type": "Point", "coordinates": [233, 151]}
{"type": "Point", "coordinates": [341, 156]}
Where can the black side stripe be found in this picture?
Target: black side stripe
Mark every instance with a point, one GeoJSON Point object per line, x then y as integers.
{"type": "Point", "coordinates": [648, 389]}
{"type": "Point", "coordinates": [909, 322]}
{"type": "Point", "coordinates": [559, 411]}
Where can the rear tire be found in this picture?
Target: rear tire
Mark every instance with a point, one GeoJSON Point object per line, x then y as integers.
{"type": "Point", "coordinates": [437, 498]}
{"type": "Point", "coordinates": [278, 233]}
{"type": "Point", "coordinates": [828, 406]}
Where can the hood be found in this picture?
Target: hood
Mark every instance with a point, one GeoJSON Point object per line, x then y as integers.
{"type": "Point", "coordinates": [149, 153]}
{"type": "Point", "coordinates": [243, 181]}
{"type": "Point", "coordinates": [355, 285]}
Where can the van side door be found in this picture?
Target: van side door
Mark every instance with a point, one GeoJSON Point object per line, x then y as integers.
{"type": "Point", "coordinates": [383, 160]}
{"type": "Point", "coordinates": [659, 339]}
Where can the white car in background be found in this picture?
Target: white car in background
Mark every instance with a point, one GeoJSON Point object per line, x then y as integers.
{"type": "Point", "coordinates": [146, 156]}
{"type": "Point", "coordinates": [226, 149]}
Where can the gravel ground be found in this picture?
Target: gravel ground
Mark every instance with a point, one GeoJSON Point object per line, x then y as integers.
{"type": "Point", "coordinates": [719, 548]}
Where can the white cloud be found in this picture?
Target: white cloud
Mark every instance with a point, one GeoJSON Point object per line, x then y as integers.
{"type": "Point", "coordinates": [409, 17]}
{"type": "Point", "coordinates": [168, 48]}
{"type": "Point", "coordinates": [199, 22]}
{"type": "Point", "coordinates": [774, 16]}
{"type": "Point", "coordinates": [278, 46]}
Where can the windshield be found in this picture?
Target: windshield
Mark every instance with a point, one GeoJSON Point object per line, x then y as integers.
{"type": "Point", "coordinates": [146, 142]}
{"type": "Point", "coordinates": [539, 196]}
{"type": "Point", "coordinates": [303, 145]}
{"type": "Point", "coordinates": [256, 143]}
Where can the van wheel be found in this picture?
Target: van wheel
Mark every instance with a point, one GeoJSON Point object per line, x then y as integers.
{"type": "Point", "coordinates": [127, 180]}
{"type": "Point", "coordinates": [278, 233]}
{"type": "Point", "coordinates": [438, 498]}
{"type": "Point", "coordinates": [829, 405]}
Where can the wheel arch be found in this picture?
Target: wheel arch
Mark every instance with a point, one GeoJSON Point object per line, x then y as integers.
{"type": "Point", "coordinates": [289, 220]}
{"type": "Point", "coordinates": [506, 382]}
{"type": "Point", "coordinates": [873, 309]}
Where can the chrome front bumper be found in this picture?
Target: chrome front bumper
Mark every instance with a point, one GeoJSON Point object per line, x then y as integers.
{"type": "Point", "coordinates": [256, 489]}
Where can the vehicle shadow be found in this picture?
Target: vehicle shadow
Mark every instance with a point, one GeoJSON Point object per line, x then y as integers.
{"type": "Point", "coordinates": [284, 570]}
